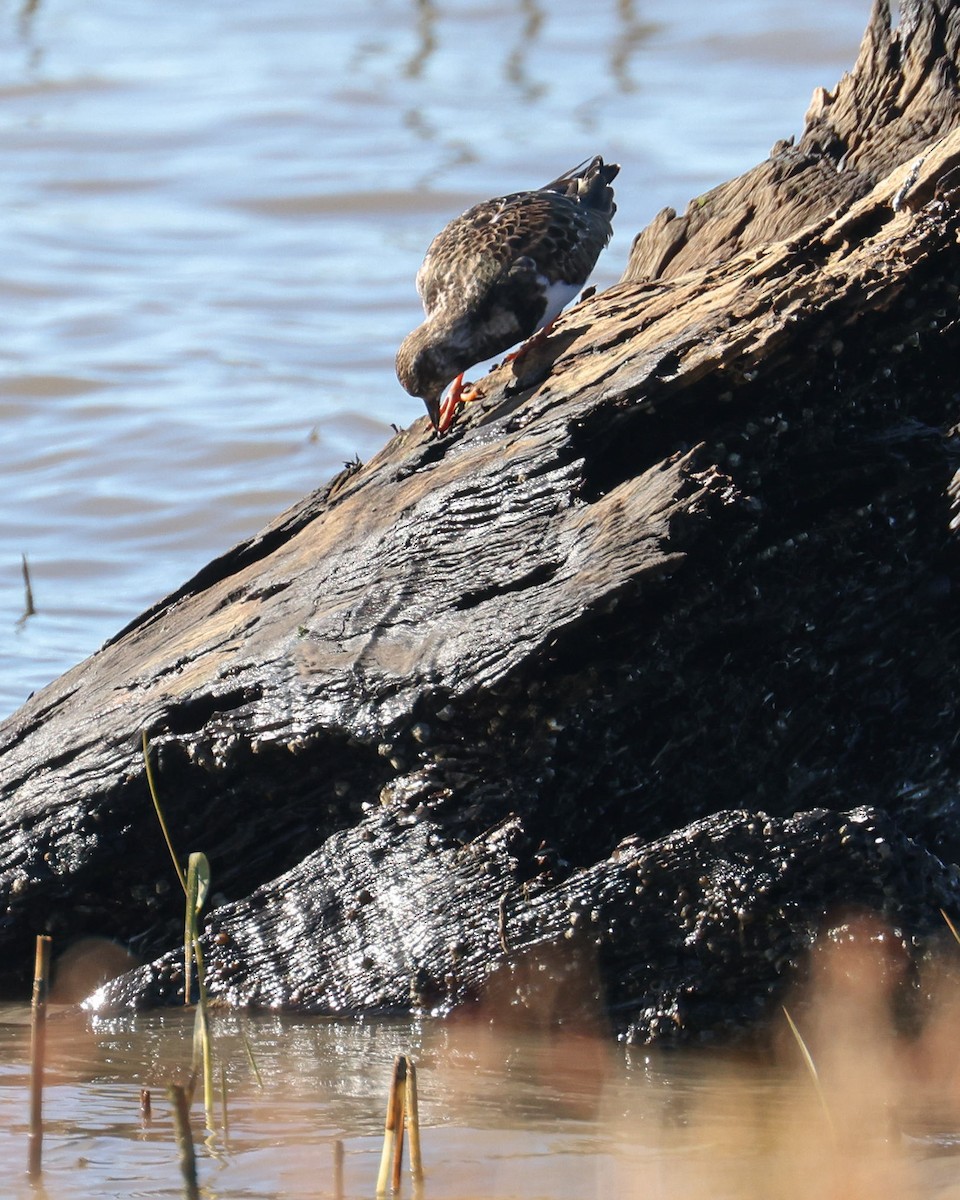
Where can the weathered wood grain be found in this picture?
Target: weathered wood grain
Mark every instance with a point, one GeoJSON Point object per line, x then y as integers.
{"type": "Point", "coordinates": [900, 96]}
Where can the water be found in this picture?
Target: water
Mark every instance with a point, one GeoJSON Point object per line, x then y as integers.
{"type": "Point", "coordinates": [212, 215]}
{"type": "Point", "coordinates": [507, 1115]}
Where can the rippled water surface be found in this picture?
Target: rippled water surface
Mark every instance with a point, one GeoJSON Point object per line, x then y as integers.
{"type": "Point", "coordinates": [515, 1116]}
{"type": "Point", "coordinates": [211, 216]}
{"type": "Point", "coordinates": [532, 1116]}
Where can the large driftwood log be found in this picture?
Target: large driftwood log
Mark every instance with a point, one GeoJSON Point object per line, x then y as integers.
{"type": "Point", "coordinates": [642, 676]}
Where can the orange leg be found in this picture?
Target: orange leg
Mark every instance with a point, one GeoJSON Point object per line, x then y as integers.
{"type": "Point", "coordinates": [448, 408]}
{"type": "Point", "coordinates": [532, 342]}
{"type": "Point", "coordinates": [455, 397]}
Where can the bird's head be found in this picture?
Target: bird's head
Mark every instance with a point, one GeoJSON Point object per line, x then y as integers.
{"type": "Point", "coordinates": [423, 371]}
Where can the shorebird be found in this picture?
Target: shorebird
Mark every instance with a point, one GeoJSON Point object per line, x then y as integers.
{"type": "Point", "coordinates": [500, 273]}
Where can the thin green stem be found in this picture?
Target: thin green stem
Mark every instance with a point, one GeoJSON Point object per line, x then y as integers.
{"type": "Point", "coordinates": [151, 784]}
{"type": "Point", "coordinates": [813, 1073]}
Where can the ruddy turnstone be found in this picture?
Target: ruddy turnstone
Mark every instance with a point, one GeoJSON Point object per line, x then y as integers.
{"type": "Point", "coordinates": [500, 273]}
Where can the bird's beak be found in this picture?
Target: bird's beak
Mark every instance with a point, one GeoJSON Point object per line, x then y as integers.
{"type": "Point", "coordinates": [433, 412]}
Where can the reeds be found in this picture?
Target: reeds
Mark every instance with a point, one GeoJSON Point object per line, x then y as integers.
{"type": "Point", "coordinates": [180, 1104]}
{"type": "Point", "coordinates": [29, 608]}
{"type": "Point", "coordinates": [195, 882]}
{"type": "Point", "coordinates": [402, 1114]}
{"type": "Point", "coordinates": [745, 1124]}
{"type": "Point", "coordinates": [811, 1068]}
{"type": "Point", "coordinates": [38, 1042]}
{"type": "Point", "coordinates": [198, 885]}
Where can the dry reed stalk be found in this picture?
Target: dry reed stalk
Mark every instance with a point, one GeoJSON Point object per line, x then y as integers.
{"type": "Point", "coordinates": [413, 1124]}
{"type": "Point", "coordinates": [338, 1170]}
{"type": "Point", "coordinates": [392, 1154]}
{"type": "Point", "coordinates": [400, 1126]}
{"type": "Point", "coordinates": [181, 1123]}
{"type": "Point", "coordinates": [38, 1044]}
{"type": "Point", "coordinates": [224, 1114]}
{"type": "Point", "coordinates": [29, 608]}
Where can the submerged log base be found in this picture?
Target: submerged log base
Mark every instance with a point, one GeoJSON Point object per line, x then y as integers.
{"type": "Point", "coordinates": [695, 932]}
{"type": "Point", "coordinates": [691, 560]}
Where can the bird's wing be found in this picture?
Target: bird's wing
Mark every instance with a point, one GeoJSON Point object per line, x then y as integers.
{"type": "Point", "coordinates": [476, 253]}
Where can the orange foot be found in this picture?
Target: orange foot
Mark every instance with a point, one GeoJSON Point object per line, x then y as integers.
{"type": "Point", "coordinates": [532, 342]}
{"type": "Point", "coordinates": [456, 397]}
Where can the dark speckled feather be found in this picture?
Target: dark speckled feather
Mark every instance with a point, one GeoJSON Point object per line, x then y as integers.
{"type": "Point", "coordinates": [503, 270]}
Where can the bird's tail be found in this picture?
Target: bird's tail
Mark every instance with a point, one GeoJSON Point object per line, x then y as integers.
{"type": "Point", "coordinates": [589, 182]}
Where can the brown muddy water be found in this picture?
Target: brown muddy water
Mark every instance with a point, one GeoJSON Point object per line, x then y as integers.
{"type": "Point", "coordinates": [211, 216]}
{"type": "Point", "coordinates": [508, 1113]}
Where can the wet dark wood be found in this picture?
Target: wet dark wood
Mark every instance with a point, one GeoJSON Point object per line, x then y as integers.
{"type": "Point", "coordinates": [688, 563]}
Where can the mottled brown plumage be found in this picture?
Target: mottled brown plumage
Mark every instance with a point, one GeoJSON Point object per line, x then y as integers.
{"type": "Point", "coordinates": [500, 272]}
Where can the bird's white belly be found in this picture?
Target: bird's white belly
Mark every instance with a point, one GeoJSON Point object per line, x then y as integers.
{"type": "Point", "coordinates": [558, 295]}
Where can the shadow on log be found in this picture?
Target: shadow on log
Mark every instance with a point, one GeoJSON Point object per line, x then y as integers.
{"type": "Point", "coordinates": [604, 706]}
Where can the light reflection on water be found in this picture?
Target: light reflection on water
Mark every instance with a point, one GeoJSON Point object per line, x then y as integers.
{"type": "Point", "coordinates": [492, 1112]}
{"type": "Point", "coordinates": [212, 216]}
{"type": "Point", "coordinates": [505, 1116]}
